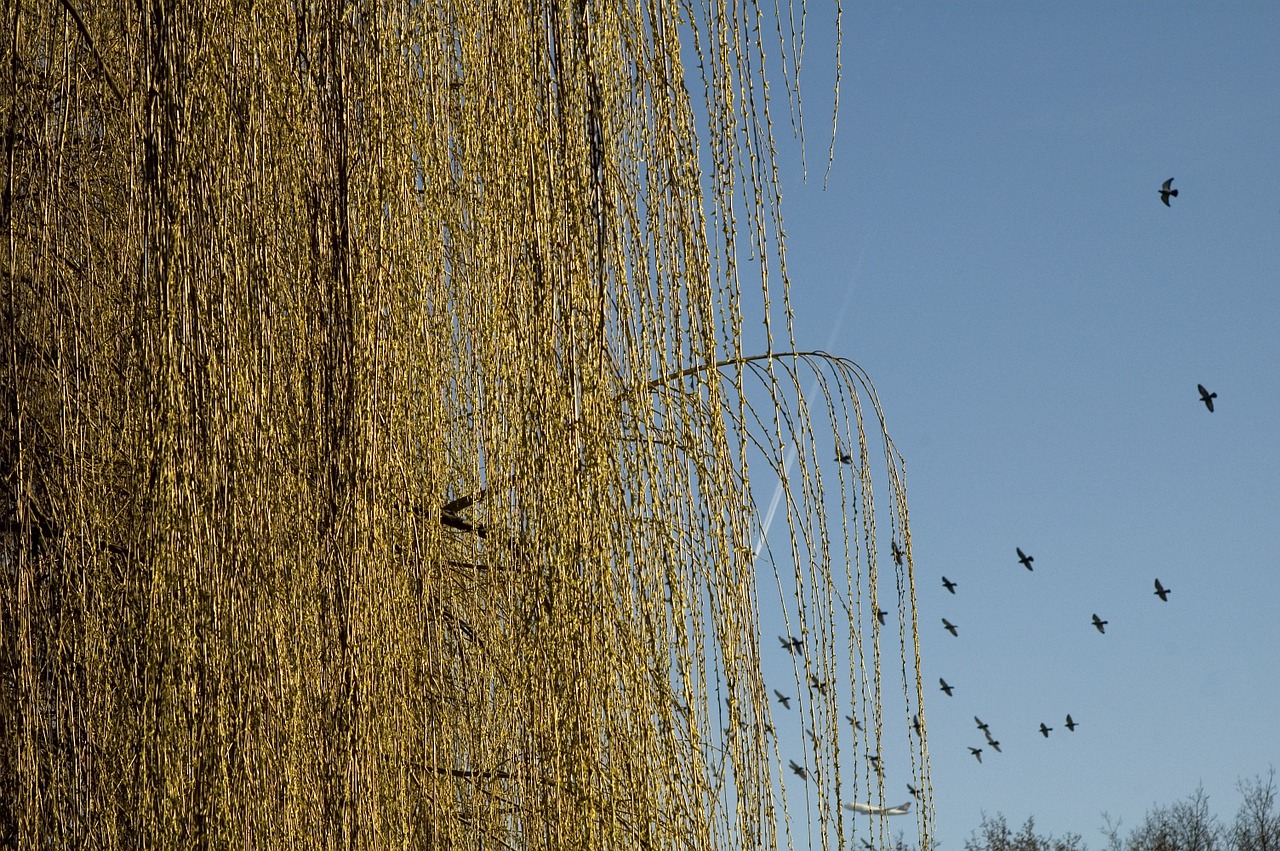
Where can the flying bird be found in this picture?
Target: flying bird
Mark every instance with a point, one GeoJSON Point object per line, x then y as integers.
{"type": "Point", "coordinates": [843, 457]}
{"type": "Point", "coordinates": [812, 734]}
{"type": "Point", "coordinates": [915, 723]}
{"type": "Point", "coordinates": [1071, 725]}
{"type": "Point", "coordinates": [949, 585]}
{"type": "Point", "coordinates": [1044, 731]}
{"type": "Point", "coordinates": [991, 740]}
{"type": "Point", "coordinates": [818, 684]}
{"type": "Point", "coordinates": [783, 699]}
{"type": "Point", "coordinates": [897, 553]}
{"type": "Point", "coordinates": [880, 615]}
{"type": "Point", "coordinates": [977, 753]}
{"type": "Point", "coordinates": [872, 809]}
{"type": "Point", "coordinates": [1024, 559]}
{"type": "Point", "coordinates": [948, 689]}
{"type": "Point", "coordinates": [857, 725]}
{"type": "Point", "coordinates": [1206, 397]}
{"type": "Point", "coordinates": [791, 644]}
{"type": "Point", "coordinates": [1100, 624]}
{"type": "Point", "coordinates": [799, 770]}
{"type": "Point", "coordinates": [983, 727]}
{"type": "Point", "coordinates": [1162, 592]}
{"type": "Point", "coordinates": [994, 744]}
{"type": "Point", "coordinates": [915, 793]}
{"type": "Point", "coordinates": [1167, 190]}
{"type": "Point", "coordinates": [951, 628]}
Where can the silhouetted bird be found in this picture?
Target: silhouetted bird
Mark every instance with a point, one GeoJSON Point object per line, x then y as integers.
{"type": "Point", "coordinates": [1044, 731]}
{"type": "Point", "coordinates": [799, 770]}
{"type": "Point", "coordinates": [880, 615]}
{"type": "Point", "coordinates": [875, 760]}
{"type": "Point", "coordinates": [812, 735]}
{"type": "Point", "coordinates": [915, 723]}
{"type": "Point", "coordinates": [983, 727]}
{"type": "Point", "coordinates": [843, 457]}
{"type": "Point", "coordinates": [791, 644]}
{"type": "Point", "coordinates": [995, 746]}
{"type": "Point", "coordinates": [1100, 624]}
{"type": "Point", "coordinates": [1024, 559]}
{"type": "Point", "coordinates": [949, 585]}
{"type": "Point", "coordinates": [783, 699]}
{"type": "Point", "coordinates": [1206, 397]}
{"type": "Point", "coordinates": [915, 793]}
{"type": "Point", "coordinates": [991, 740]}
{"type": "Point", "coordinates": [818, 684]}
{"type": "Point", "coordinates": [1166, 191]}
{"type": "Point", "coordinates": [867, 845]}
{"type": "Point", "coordinates": [948, 689]}
{"type": "Point", "coordinates": [1162, 592]}
{"type": "Point", "coordinates": [977, 753]}
{"type": "Point", "coordinates": [951, 628]}
{"type": "Point", "coordinates": [857, 725]}
{"type": "Point", "coordinates": [1071, 725]}
{"type": "Point", "coordinates": [897, 553]}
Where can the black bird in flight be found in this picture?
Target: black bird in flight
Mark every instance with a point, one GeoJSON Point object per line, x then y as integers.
{"type": "Point", "coordinates": [1162, 592]}
{"type": "Point", "coordinates": [812, 734]}
{"type": "Point", "coordinates": [857, 725]}
{"type": "Point", "coordinates": [1071, 725]}
{"type": "Point", "coordinates": [842, 456]}
{"type": "Point", "coordinates": [951, 628]}
{"type": "Point", "coordinates": [915, 723]}
{"type": "Point", "coordinates": [1044, 731]}
{"type": "Point", "coordinates": [977, 753]}
{"type": "Point", "coordinates": [1206, 397]}
{"type": "Point", "coordinates": [783, 699]}
{"type": "Point", "coordinates": [949, 585]}
{"type": "Point", "coordinates": [818, 684]}
{"type": "Point", "coordinates": [1100, 624]}
{"type": "Point", "coordinates": [1167, 190]}
{"type": "Point", "coordinates": [915, 793]}
{"type": "Point", "coordinates": [983, 727]}
{"type": "Point", "coordinates": [897, 553]}
{"type": "Point", "coordinates": [1024, 559]}
{"type": "Point", "coordinates": [995, 746]}
{"type": "Point", "coordinates": [880, 614]}
{"type": "Point", "coordinates": [799, 770]}
{"type": "Point", "coordinates": [791, 644]}
{"type": "Point", "coordinates": [948, 689]}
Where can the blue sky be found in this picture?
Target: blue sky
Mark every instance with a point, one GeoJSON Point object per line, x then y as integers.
{"type": "Point", "coordinates": [1036, 322]}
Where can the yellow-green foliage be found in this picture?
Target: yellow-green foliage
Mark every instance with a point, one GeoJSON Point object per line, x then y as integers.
{"type": "Point", "coordinates": [375, 431]}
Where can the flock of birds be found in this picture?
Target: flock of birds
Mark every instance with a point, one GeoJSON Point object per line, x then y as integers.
{"type": "Point", "coordinates": [793, 644]}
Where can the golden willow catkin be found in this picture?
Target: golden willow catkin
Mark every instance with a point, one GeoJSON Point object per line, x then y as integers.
{"type": "Point", "coordinates": [376, 436]}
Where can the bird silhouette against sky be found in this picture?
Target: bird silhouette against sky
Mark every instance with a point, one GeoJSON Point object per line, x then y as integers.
{"type": "Point", "coordinates": [783, 699]}
{"type": "Point", "coordinates": [791, 644]}
{"type": "Point", "coordinates": [951, 628]}
{"type": "Point", "coordinates": [1044, 731]}
{"type": "Point", "coordinates": [897, 553]}
{"type": "Point", "coordinates": [1206, 397]}
{"type": "Point", "coordinates": [983, 727]}
{"type": "Point", "coordinates": [843, 457]}
{"type": "Point", "coordinates": [949, 585]}
{"type": "Point", "coordinates": [915, 793]}
{"type": "Point", "coordinates": [1167, 191]}
{"type": "Point", "coordinates": [880, 615]}
{"type": "Point", "coordinates": [857, 725]}
{"type": "Point", "coordinates": [1024, 559]}
{"type": "Point", "coordinates": [820, 685]}
{"type": "Point", "coordinates": [995, 746]}
{"type": "Point", "coordinates": [947, 688]}
{"type": "Point", "coordinates": [1071, 725]}
{"type": "Point", "coordinates": [799, 770]}
{"type": "Point", "coordinates": [1162, 592]}
{"type": "Point", "coordinates": [1100, 624]}
{"type": "Point", "coordinates": [977, 753]}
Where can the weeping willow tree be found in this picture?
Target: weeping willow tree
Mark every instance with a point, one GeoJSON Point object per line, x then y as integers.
{"type": "Point", "coordinates": [377, 429]}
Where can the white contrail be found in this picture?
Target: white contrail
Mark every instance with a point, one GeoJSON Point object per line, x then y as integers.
{"type": "Point", "coordinates": [791, 453]}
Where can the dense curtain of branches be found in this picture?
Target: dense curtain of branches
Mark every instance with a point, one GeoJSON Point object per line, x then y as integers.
{"type": "Point", "coordinates": [376, 434]}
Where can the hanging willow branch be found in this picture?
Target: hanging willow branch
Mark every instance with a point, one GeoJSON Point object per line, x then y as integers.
{"type": "Point", "coordinates": [380, 459]}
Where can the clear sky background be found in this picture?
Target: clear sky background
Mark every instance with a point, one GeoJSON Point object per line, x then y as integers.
{"type": "Point", "coordinates": [1036, 322]}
